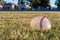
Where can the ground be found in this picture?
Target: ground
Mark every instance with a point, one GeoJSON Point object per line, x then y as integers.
{"type": "Point", "coordinates": [14, 25]}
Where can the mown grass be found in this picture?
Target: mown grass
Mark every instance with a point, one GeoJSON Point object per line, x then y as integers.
{"type": "Point", "coordinates": [15, 26]}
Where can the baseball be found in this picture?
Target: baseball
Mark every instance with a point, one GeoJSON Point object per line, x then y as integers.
{"type": "Point", "coordinates": [40, 22]}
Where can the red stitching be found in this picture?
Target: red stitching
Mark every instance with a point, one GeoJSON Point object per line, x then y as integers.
{"type": "Point", "coordinates": [41, 21]}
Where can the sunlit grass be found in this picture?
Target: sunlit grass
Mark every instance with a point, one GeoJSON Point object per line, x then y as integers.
{"type": "Point", "coordinates": [15, 26]}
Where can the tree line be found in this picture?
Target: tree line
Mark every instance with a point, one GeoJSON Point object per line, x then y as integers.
{"type": "Point", "coordinates": [45, 3]}
{"type": "Point", "coordinates": [42, 3]}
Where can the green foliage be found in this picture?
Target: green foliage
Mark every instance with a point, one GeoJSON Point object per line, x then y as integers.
{"type": "Point", "coordinates": [45, 3]}
{"type": "Point", "coordinates": [42, 3]}
{"type": "Point", "coordinates": [1, 0]}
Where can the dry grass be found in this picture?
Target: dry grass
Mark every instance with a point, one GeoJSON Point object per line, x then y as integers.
{"type": "Point", "coordinates": [15, 26]}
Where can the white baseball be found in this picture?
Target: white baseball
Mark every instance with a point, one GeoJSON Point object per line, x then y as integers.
{"type": "Point", "coordinates": [40, 22]}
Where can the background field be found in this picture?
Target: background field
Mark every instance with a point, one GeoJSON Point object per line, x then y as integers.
{"type": "Point", "coordinates": [14, 25]}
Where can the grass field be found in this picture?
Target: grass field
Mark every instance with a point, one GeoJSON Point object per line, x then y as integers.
{"type": "Point", "coordinates": [14, 25]}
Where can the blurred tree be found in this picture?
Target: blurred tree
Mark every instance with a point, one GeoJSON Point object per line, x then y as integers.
{"type": "Point", "coordinates": [19, 1]}
{"type": "Point", "coordinates": [57, 3]}
{"type": "Point", "coordinates": [35, 3]}
{"type": "Point", "coordinates": [41, 3]}
{"type": "Point", "coordinates": [45, 3]}
{"type": "Point", "coordinates": [22, 1]}
{"type": "Point", "coordinates": [2, 1]}
{"type": "Point", "coordinates": [38, 3]}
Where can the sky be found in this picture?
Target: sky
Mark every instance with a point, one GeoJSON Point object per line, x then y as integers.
{"type": "Point", "coordinates": [11, 1]}
{"type": "Point", "coordinates": [16, 2]}
{"type": "Point", "coordinates": [52, 3]}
